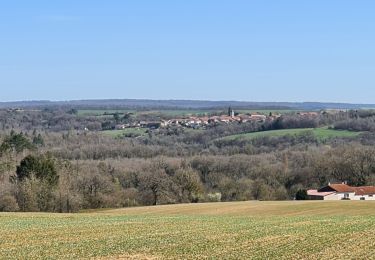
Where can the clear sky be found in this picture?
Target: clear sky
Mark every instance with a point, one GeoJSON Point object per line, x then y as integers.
{"type": "Point", "coordinates": [265, 50]}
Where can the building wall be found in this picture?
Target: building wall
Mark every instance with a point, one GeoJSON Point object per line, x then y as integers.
{"type": "Point", "coordinates": [352, 196]}
{"type": "Point", "coordinates": [366, 197]}
{"type": "Point", "coordinates": [340, 196]}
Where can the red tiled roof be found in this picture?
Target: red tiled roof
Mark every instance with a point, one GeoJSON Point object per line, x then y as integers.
{"type": "Point", "coordinates": [364, 190]}
{"type": "Point", "coordinates": [341, 187]}
{"type": "Point", "coordinates": [317, 193]}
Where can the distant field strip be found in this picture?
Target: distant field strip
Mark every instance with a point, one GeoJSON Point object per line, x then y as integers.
{"type": "Point", "coordinates": [101, 112]}
{"type": "Point", "coordinates": [240, 230]}
{"type": "Point", "coordinates": [167, 112]}
{"type": "Point", "coordinates": [320, 133]}
{"type": "Point", "coordinates": [179, 112]}
{"type": "Point", "coordinates": [127, 131]}
{"type": "Point", "coordinates": [267, 111]}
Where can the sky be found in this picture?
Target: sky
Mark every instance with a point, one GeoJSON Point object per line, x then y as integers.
{"type": "Point", "coordinates": [249, 50]}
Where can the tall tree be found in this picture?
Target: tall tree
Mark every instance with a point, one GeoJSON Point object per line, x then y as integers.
{"type": "Point", "coordinates": [42, 166]}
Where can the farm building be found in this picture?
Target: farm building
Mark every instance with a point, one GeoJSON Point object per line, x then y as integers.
{"type": "Point", "coordinates": [342, 192]}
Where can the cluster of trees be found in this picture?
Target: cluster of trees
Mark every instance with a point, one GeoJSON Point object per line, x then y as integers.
{"type": "Point", "coordinates": [65, 171]}
{"type": "Point", "coordinates": [46, 120]}
{"type": "Point", "coordinates": [357, 120]}
{"type": "Point", "coordinates": [357, 124]}
{"type": "Point", "coordinates": [35, 180]}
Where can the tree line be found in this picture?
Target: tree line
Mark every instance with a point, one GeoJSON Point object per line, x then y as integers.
{"type": "Point", "coordinates": [35, 180]}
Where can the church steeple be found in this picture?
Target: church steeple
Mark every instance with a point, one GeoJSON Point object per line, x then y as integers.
{"type": "Point", "coordinates": [230, 112]}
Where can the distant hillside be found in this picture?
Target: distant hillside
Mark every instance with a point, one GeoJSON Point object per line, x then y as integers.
{"type": "Point", "coordinates": [180, 104]}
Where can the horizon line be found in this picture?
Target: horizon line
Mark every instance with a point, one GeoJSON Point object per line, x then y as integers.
{"type": "Point", "coordinates": [172, 99]}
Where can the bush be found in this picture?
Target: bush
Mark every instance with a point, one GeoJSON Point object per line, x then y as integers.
{"type": "Point", "coordinates": [301, 195]}
{"type": "Point", "coordinates": [214, 197]}
{"type": "Point", "coordinates": [8, 203]}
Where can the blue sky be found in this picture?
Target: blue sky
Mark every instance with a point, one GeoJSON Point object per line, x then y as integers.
{"type": "Point", "coordinates": [265, 50]}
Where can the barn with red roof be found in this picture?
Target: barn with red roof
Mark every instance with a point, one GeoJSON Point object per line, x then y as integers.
{"type": "Point", "coordinates": [342, 191]}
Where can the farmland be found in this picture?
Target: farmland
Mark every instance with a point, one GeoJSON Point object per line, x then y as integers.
{"type": "Point", "coordinates": [167, 112]}
{"type": "Point", "coordinates": [101, 112]}
{"type": "Point", "coordinates": [267, 111]}
{"type": "Point", "coordinates": [178, 112]}
{"type": "Point", "coordinates": [319, 133]}
{"type": "Point", "coordinates": [238, 230]}
{"type": "Point", "coordinates": [125, 132]}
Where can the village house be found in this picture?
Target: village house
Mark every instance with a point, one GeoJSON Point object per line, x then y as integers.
{"type": "Point", "coordinates": [342, 191]}
{"type": "Point", "coordinates": [213, 120]}
{"type": "Point", "coordinates": [164, 123]}
{"type": "Point", "coordinates": [308, 114]}
{"type": "Point", "coordinates": [257, 117]}
{"type": "Point", "coordinates": [121, 126]}
{"type": "Point", "coordinates": [206, 121]}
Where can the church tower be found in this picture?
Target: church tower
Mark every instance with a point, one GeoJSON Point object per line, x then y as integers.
{"type": "Point", "coordinates": [230, 112]}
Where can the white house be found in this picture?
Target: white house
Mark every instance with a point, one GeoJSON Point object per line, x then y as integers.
{"type": "Point", "coordinates": [342, 192]}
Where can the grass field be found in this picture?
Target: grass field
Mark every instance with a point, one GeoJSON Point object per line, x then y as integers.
{"type": "Point", "coordinates": [130, 131]}
{"type": "Point", "coordinates": [178, 112]}
{"type": "Point", "coordinates": [267, 111]}
{"type": "Point", "coordinates": [320, 133]}
{"type": "Point", "coordinates": [101, 112]}
{"type": "Point", "coordinates": [240, 230]}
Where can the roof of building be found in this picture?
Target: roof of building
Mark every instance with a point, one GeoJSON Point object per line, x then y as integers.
{"type": "Point", "coordinates": [364, 190]}
{"type": "Point", "coordinates": [337, 187]}
{"type": "Point", "coordinates": [317, 193]}
{"type": "Point", "coordinates": [341, 188]}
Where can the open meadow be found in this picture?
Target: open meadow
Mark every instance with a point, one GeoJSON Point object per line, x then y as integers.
{"type": "Point", "coordinates": [238, 230]}
{"type": "Point", "coordinates": [126, 132]}
{"type": "Point", "coordinates": [322, 133]}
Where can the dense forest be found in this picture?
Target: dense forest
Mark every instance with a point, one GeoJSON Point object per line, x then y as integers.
{"type": "Point", "coordinates": [57, 160]}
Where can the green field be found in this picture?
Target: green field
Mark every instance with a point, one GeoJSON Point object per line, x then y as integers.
{"type": "Point", "coordinates": [167, 112]}
{"type": "Point", "coordinates": [127, 131]}
{"type": "Point", "coordinates": [320, 133]}
{"type": "Point", "coordinates": [266, 111]}
{"type": "Point", "coordinates": [241, 111]}
{"type": "Point", "coordinates": [239, 230]}
{"type": "Point", "coordinates": [179, 112]}
{"type": "Point", "coordinates": [101, 112]}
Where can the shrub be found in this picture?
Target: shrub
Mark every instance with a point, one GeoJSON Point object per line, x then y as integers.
{"type": "Point", "coordinates": [214, 197]}
{"type": "Point", "coordinates": [8, 203]}
{"type": "Point", "coordinates": [301, 194]}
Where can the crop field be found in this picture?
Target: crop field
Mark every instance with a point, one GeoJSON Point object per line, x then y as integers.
{"type": "Point", "coordinates": [320, 133]}
{"type": "Point", "coordinates": [239, 230]}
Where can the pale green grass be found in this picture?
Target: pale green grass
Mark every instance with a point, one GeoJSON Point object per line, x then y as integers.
{"type": "Point", "coordinates": [266, 111]}
{"type": "Point", "coordinates": [167, 112]}
{"type": "Point", "coordinates": [102, 112]}
{"type": "Point", "coordinates": [180, 113]}
{"type": "Point", "coordinates": [241, 230]}
{"type": "Point", "coordinates": [320, 133]}
{"type": "Point", "coordinates": [127, 131]}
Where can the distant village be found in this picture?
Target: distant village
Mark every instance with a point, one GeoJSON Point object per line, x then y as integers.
{"type": "Point", "coordinates": [202, 122]}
